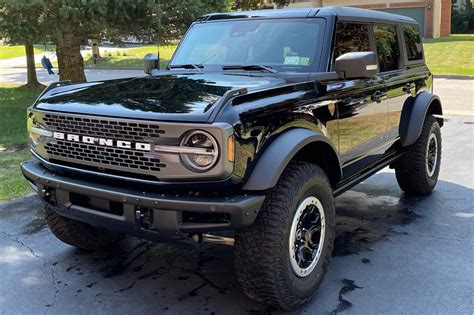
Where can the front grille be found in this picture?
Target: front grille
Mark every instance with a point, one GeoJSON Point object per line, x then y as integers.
{"type": "Point", "coordinates": [104, 156]}
{"type": "Point", "coordinates": [120, 130]}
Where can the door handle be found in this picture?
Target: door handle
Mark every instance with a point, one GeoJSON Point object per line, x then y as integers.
{"type": "Point", "coordinates": [378, 95]}
{"type": "Point", "coordinates": [408, 87]}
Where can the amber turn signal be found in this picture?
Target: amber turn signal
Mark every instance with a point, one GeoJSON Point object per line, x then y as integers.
{"type": "Point", "coordinates": [230, 148]}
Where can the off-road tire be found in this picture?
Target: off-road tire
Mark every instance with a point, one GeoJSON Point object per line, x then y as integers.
{"type": "Point", "coordinates": [79, 234]}
{"type": "Point", "coordinates": [410, 170]}
{"type": "Point", "coordinates": [261, 253]}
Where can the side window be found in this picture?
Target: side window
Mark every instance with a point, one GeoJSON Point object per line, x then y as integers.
{"type": "Point", "coordinates": [413, 43]}
{"type": "Point", "coordinates": [388, 50]}
{"type": "Point", "coordinates": [351, 37]}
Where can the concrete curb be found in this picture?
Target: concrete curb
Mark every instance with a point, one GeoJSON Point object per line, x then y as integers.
{"type": "Point", "coordinates": [453, 77]}
{"type": "Point", "coordinates": [458, 112]}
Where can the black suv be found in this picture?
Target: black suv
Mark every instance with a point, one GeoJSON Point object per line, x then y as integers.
{"type": "Point", "coordinates": [259, 121]}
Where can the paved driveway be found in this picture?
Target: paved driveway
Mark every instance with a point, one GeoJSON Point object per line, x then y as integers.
{"type": "Point", "coordinates": [393, 255]}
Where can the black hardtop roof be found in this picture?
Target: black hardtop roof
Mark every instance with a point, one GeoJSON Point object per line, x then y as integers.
{"type": "Point", "coordinates": [345, 13]}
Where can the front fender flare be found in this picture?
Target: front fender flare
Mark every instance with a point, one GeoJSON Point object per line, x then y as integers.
{"type": "Point", "coordinates": [278, 154]}
{"type": "Point", "coordinates": [413, 115]}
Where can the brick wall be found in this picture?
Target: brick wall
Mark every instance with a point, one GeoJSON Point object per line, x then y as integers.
{"type": "Point", "coordinates": [445, 29]}
{"type": "Point", "coordinates": [429, 21]}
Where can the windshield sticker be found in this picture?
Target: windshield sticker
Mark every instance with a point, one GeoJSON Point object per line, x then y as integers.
{"type": "Point", "coordinates": [292, 60]}
{"type": "Point", "coordinates": [296, 61]}
{"type": "Point", "coordinates": [304, 61]}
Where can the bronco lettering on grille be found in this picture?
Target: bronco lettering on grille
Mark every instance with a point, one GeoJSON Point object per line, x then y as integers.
{"type": "Point", "coordinates": [103, 141]}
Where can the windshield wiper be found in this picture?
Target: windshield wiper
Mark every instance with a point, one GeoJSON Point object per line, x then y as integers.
{"type": "Point", "coordinates": [249, 67]}
{"type": "Point", "coordinates": [187, 66]}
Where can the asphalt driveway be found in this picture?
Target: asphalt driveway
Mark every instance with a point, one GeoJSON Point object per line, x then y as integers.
{"type": "Point", "coordinates": [393, 254]}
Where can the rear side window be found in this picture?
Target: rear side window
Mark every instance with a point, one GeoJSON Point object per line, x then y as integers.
{"type": "Point", "coordinates": [351, 37]}
{"type": "Point", "coordinates": [388, 50]}
{"type": "Point", "coordinates": [413, 43]}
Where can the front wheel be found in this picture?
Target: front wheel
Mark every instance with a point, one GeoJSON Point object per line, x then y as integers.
{"type": "Point", "coordinates": [79, 234]}
{"type": "Point", "coordinates": [417, 170]}
{"type": "Point", "coordinates": [281, 260]}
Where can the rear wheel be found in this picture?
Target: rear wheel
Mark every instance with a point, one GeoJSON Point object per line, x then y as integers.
{"type": "Point", "coordinates": [417, 170]}
{"type": "Point", "coordinates": [281, 260]}
{"type": "Point", "coordinates": [79, 234]}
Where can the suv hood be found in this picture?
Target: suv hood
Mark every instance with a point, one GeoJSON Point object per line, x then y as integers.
{"type": "Point", "coordinates": [178, 97]}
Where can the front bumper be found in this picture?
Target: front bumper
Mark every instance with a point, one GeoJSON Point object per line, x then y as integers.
{"type": "Point", "coordinates": [147, 214]}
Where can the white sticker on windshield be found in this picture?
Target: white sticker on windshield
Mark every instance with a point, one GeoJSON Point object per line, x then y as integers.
{"type": "Point", "coordinates": [292, 60]}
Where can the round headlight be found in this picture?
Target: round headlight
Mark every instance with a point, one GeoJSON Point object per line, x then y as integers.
{"type": "Point", "coordinates": [200, 151]}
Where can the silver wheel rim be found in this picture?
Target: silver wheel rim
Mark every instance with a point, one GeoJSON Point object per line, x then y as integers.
{"type": "Point", "coordinates": [307, 236]}
{"type": "Point", "coordinates": [431, 157]}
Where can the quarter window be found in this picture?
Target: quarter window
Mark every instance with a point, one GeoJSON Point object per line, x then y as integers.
{"type": "Point", "coordinates": [351, 37]}
{"type": "Point", "coordinates": [413, 43]}
{"type": "Point", "coordinates": [388, 50]}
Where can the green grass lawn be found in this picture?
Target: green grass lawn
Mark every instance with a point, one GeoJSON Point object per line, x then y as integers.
{"type": "Point", "coordinates": [450, 55]}
{"type": "Point", "coordinates": [13, 184]}
{"type": "Point", "coordinates": [13, 103]}
{"type": "Point", "coordinates": [7, 52]}
{"type": "Point", "coordinates": [132, 57]}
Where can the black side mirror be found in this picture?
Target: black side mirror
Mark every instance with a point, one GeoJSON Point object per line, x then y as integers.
{"type": "Point", "coordinates": [356, 65]}
{"type": "Point", "coordinates": [150, 63]}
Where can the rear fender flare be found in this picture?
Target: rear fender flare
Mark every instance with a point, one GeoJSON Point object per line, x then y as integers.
{"type": "Point", "coordinates": [414, 113]}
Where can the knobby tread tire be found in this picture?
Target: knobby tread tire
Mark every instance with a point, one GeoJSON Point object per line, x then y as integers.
{"type": "Point", "coordinates": [260, 254]}
{"type": "Point", "coordinates": [79, 234]}
{"type": "Point", "coordinates": [410, 169]}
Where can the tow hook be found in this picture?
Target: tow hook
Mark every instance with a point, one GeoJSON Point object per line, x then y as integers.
{"type": "Point", "coordinates": [49, 195]}
{"type": "Point", "coordinates": [143, 218]}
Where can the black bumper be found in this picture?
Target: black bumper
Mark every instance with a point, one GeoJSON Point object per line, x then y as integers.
{"type": "Point", "coordinates": [148, 214]}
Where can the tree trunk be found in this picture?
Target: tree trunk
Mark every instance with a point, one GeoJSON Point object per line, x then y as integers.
{"type": "Point", "coordinates": [32, 79]}
{"type": "Point", "coordinates": [68, 51]}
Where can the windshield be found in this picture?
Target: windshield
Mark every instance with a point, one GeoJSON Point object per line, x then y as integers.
{"type": "Point", "coordinates": [291, 45]}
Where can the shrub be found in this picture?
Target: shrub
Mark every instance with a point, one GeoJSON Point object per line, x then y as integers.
{"type": "Point", "coordinates": [462, 21]}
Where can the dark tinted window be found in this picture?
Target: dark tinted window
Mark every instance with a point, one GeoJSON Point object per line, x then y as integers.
{"type": "Point", "coordinates": [387, 47]}
{"type": "Point", "coordinates": [351, 37]}
{"type": "Point", "coordinates": [413, 43]}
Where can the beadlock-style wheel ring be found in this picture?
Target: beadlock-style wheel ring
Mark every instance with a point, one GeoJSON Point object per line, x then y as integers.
{"type": "Point", "coordinates": [431, 157]}
{"type": "Point", "coordinates": [307, 236]}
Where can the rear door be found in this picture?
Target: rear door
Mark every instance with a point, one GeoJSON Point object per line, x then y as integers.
{"type": "Point", "coordinates": [398, 85]}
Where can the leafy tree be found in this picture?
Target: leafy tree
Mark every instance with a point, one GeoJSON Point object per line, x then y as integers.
{"type": "Point", "coordinates": [72, 22]}
{"type": "Point", "coordinates": [462, 20]}
{"type": "Point", "coordinates": [260, 4]}
{"type": "Point", "coordinates": [21, 22]}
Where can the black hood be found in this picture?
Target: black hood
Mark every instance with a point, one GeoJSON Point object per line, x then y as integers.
{"type": "Point", "coordinates": [180, 97]}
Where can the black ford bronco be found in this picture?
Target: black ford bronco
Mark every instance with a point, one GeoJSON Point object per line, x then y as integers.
{"type": "Point", "coordinates": [258, 122]}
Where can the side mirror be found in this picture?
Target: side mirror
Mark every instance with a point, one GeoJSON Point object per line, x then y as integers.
{"type": "Point", "coordinates": [356, 65]}
{"type": "Point", "coordinates": [150, 63]}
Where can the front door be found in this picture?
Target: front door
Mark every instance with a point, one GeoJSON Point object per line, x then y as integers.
{"type": "Point", "coordinates": [361, 105]}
